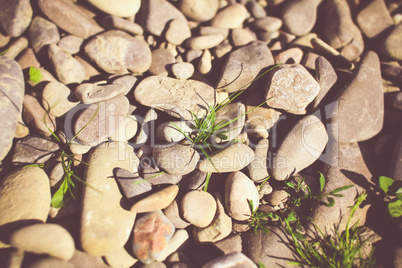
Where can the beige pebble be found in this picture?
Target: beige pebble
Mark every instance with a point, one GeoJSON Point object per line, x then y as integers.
{"type": "Point", "coordinates": [208, 30]}
{"type": "Point", "coordinates": [205, 63]}
{"type": "Point", "coordinates": [204, 41]}
{"type": "Point", "coordinates": [241, 37]}
{"type": "Point", "coordinates": [159, 200]}
{"type": "Point", "coordinates": [224, 48]}
{"type": "Point", "coordinates": [177, 31]}
{"type": "Point", "coordinates": [183, 70]}
{"type": "Point", "coordinates": [16, 47]}
{"type": "Point", "coordinates": [291, 55]}
{"type": "Point", "coordinates": [231, 17]}
{"type": "Point", "coordinates": [268, 24]}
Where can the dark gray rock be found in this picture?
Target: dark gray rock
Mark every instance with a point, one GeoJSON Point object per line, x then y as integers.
{"type": "Point", "coordinates": [34, 150]}
{"type": "Point", "coordinates": [151, 176]}
{"type": "Point", "coordinates": [299, 16]}
{"type": "Point", "coordinates": [326, 78]}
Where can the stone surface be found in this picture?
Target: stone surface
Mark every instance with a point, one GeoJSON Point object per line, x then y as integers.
{"type": "Point", "coordinates": [117, 23]}
{"type": "Point", "coordinates": [198, 208]}
{"type": "Point", "coordinates": [176, 159]}
{"type": "Point", "coordinates": [82, 259]}
{"type": "Point", "coordinates": [162, 59]}
{"type": "Point", "coordinates": [120, 258]}
{"type": "Point", "coordinates": [374, 18]}
{"type": "Point", "coordinates": [299, 16]}
{"type": "Point", "coordinates": [127, 130]}
{"type": "Point", "coordinates": [390, 45]}
{"type": "Point", "coordinates": [75, 21]}
{"type": "Point", "coordinates": [268, 24]}
{"type": "Point", "coordinates": [126, 80]}
{"type": "Point", "coordinates": [106, 221]}
{"type": "Point", "coordinates": [177, 31]}
{"type": "Point", "coordinates": [57, 99]}
{"type": "Point", "coordinates": [27, 58]}
{"type": "Point", "coordinates": [242, 36]}
{"type": "Point", "coordinates": [36, 118]}
{"type": "Point", "coordinates": [156, 201]}
{"type": "Point", "coordinates": [232, 243]}
{"type": "Point", "coordinates": [365, 94]}
{"type": "Point", "coordinates": [167, 131]}
{"type": "Point", "coordinates": [173, 214]}
{"type": "Point", "coordinates": [235, 259]}
{"type": "Point", "coordinates": [68, 70]}
{"type": "Point", "coordinates": [243, 65]}
{"type": "Point", "coordinates": [146, 127]}
{"type": "Point", "coordinates": [174, 96]}
{"type": "Point", "coordinates": [204, 41]}
{"type": "Point", "coordinates": [12, 87]}
{"type": "Point", "coordinates": [239, 190]}
{"type": "Point", "coordinates": [176, 241]}
{"type": "Point", "coordinates": [71, 44]}
{"type": "Point", "coordinates": [194, 180]}
{"type": "Point", "coordinates": [107, 117]}
{"type": "Point", "coordinates": [205, 63]}
{"type": "Point", "coordinates": [91, 93]}
{"type": "Point", "coordinates": [326, 78]}
{"type": "Point", "coordinates": [47, 238]}
{"type": "Point", "coordinates": [301, 147]}
{"type": "Point", "coordinates": [22, 187]}
{"type": "Point", "coordinates": [50, 262]}
{"type": "Point", "coordinates": [291, 55]}
{"type": "Point", "coordinates": [130, 183]}
{"type": "Point", "coordinates": [31, 150]}
{"type": "Point", "coordinates": [258, 167]}
{"type": "Point", "coordinates": [42, 33]}
{"type": "Point", "coordinates": [291, 88]}
{"type": "Point", "coordinates": [230, 17]}
{"type": "Point", "coordinates": [199, 10]}
{"type": "Point", "coordinates": [154, 176]}
{"type": "Point", "coordinates": [15, 16]}
{"type": "Point", "coordinates": [121, 8]}
{"type": "Point", "coordinates": [152, 233]}
{"type": "Point", "coordinates": [116, 52]}
{"type": "Point", "coordinates": [227, 114]}
{"type": "Point", "coordinates": [233, 158]}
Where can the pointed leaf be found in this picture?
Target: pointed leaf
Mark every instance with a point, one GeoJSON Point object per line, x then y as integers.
{"type": "Point", "coordinates": [385, 183]}
{"type": "Point", "coordinates": [322, 181]}
{"type": "Point", "coordinates": [58, 197]}
{"type": "Point", "coordinates": [340, 189]}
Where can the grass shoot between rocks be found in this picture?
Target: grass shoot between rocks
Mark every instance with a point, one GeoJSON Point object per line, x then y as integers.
{"type": "Point", "coordinates": [393, 194]}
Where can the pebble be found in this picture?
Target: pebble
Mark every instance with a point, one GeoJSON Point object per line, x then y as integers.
{"type": "Point", "coordinates": [178, 239]}
{"type": "Point", "coordinates": [301, 147]}
{"type": "Point", "coordinates": [108, 51]}
{"type": "Point", "coordinates": [204, 41]}
{"type": "Point", "coordinates": [233, 158]}
{"type": "Point", "coordinates": [82, 259]}
{"type": "Point", "coordinates": [167, 131]}
{"type": "Point", "coordinates": [199, 10]}
{"type": "Point", "coordinates": [277, 197]}
{"type": "Point", "coordinates": [16, 47]}
{"type": "Point", "coordinates": [105, 221]}
{"type": "Point", "coordinates": [230, 17]}
{"type": "Point", "coordinates": [152, 233]}
{"type": "Point", "coordinates": [130, 183]}
{"type": "Point", "coordinates": [291, 55]}
{"type": "Point", "coordinates": [56, 99]}
{"type": "Point", "coordinates": [291, 88]}
{"type": "Point", "coordinates": [155, 14]}
{"type": "Point", "coordinates": [27, 58]}
{"type": "Point", "coordinates": [268, 24]}
{"type": "Point", "coordinates": [177, 31]}
{"type": "Point", "coordinates": [120, 258]}
{"type": "Point", "coordinates": [227, 114]}
{"type": "Point", "coordinates": [174, 215]}
{"type": "Point", "coordinates": [218, 229]}
{"type": "Point", "coordinates": [89, 93]}
{"type": "Point", "coordinates": [326, 78]}
{"type": "Point", "coordinates": [176, 159]}
{"type": "Point", "coordinates": [50, 262]}
{"type": "Point", "coordinates": [241, 37]}
{"type": "Point", "coordinates": [127, 130]}
{"type": "Point", "coordinates": [15, 16]}
{"type": "Point", "coordinates": [390, 45]}
{"type": "Point", "coordinates": [205, 63]}
{"type": "Point", "coordinates": [126, 80]}
{"type": "Point", "coordinates": [68, 70]}
{"type": "Point", "coordinates": [309, 59]}
{"type": "Point", "coordinates": [107, 120]}
{"type": "Point", "coordinates": [194, 180]}
{"type": "Point", "coordinates": [243, 65]}
{"type": "Point", "coordinates": [158, 200]}
{"type": "Point", "coordinates": [264, 189]}
{"type": "Point", "coordinates": [162, 59]}
{"type": "Point", "coordinates": [12, 87]}
{"type": "Point", "coordinates": [256, 9]}
{"type": "Point", "coordinates": [209, 30]}
{"type": "Point", "coordinates": [174, 96]}
{"type": "Point", "coordinates": [146, 126]}
{"type": "Point", "coordinates": [391, 72]}
{"type": "Point", "coordinates": [45, 238]}
{"type": "Point", "coordinates": [42, 33]}
{"type": "Point", "coordinates": [229, 244]}
{"type": "Point", "coordinates": [36, 118]}
{"type": "Point", "coordinates": [120, 8]}
{"type": "Point", "coordinates": [71, 44]}
{"type": "Point", "coordinates": [90, 71]}
{"type": "Point", "coordinates": [155, 177]}
{"type": "Point", "coordinates": [299, 16]}
{"type": "Point", "coordinates": [75, 21]}
{"type": "Point", "coordinates": [258, 167]}
{"type": "Point", "coordinates": [198, 208]}
{"type": "Point", "coordinates": [22, 186]}
{"type": "Point", "coordinates": [374, 19]}
{"type": "Point", "coordinates": [113, 22]}
{"type": "Point", "coordinates": [239, 191]}
{"type": "Point", "coordinates": [364, 93]}
{"type": "Point", "coordinates": [31, 150]}
{"type": "Point", "coordinates": [235, 259]}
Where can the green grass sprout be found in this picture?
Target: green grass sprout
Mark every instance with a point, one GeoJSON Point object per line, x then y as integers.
{"type": "Point", "coordinates": [35, 75]}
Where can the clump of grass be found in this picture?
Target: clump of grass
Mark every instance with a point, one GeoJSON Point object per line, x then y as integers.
{"type": "Point", "coordinates": [393, 195]}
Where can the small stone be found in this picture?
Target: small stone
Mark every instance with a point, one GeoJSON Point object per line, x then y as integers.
{"type": "Point", "coordinates": [68, 70]}
{"type": "Point", "coordinates": [121, 8]}
{"type": "Point", "coordinates": [204, 41]}
{"type": "Point", "coordinates": [152, 233]}
{"type": "Point", "coordinates": [162, 59]}
{"type": "Point", "coordinates": [199, 10]}
{"type": "Point", "coordinates": [326, 78]}
{"type": "Point", "coordinates": [241, 37]}
{"type": "Point", "coordinates": [155, 177]}
{"type": "Point", "coordinates": [209, 30]}
{"type": "Point", "coordinates": [301, 147]}
{"type": "Point", "coordinates": [176, 97]}
{"type": "Point", "coordinates": [198, 208]}
{"type": "Point", "coordinates": [131, 184]}
{"type": "Point", "coordinates": [173, 214]}
{"type": "Point", "coordinates": [16, 47]}
{"type": "Point", "coordinates": [291, 55]}
{"type": "Point", "coordinates": [192, 56]}
{"type": "Point", "coordinates": [277, 197]}
{"type": "Point", "coordinates": [46, 238]}
{"type": "Point", "coordinates": [56, 99]}
{"type": "Point", "coordinates": [227, 114]}
{"type": "Point", "coordinates": [256, 9]}
{"type": "Point", "coordinates": [27, 58]}
{"type": "Point", "coordinates": [90, 71]}
{"type": "Point", "coordinates": [126, 80]}
{"type": "Point", "coordinates": [374, 18]}
{"type": "Point", "coordinates": [178, 239]}
{"type": "Point", "coordinates": [267, 37]}
{"type": "Point", "coordinates": [71, 44]}
{"type": "Point", "coordinates": [264, 189]}
{"type": "Point", "coordinates": [291, 88]}
{"type": "Point", "coordinates": [390, 46]}
{"type": "Point", "coordinates": [235, 259]}
{"type": "Point", "coordinates": [120, 258]}
{"type": "Point", "coordinates": [243, 65]}
{"type": "Point", "coordinates": [194, 180]}
{"type": "Point", "coordinates": [391, 72]}
{"type": "Point", "coordinates": [233, 158]}
{"type": "Point", "coordinates": [50, 262]}
{"type": "Point", "coordinates": [82, 259]}
{"type": "Point", "coordinates": [230, 17]}
{"type": "Point", "coordinates": [229, 244]}
{"type": "Point", "coordinates": [299, 16]}
{"type": "Point", "coordinates": [117, 23]}
{"type": "Point", "coordinates": [309, 59]}
{"type": "Point", "coordinates": [127, 130]}
{"type": "Point", "coordinates": [15, 16]}
{"type": "Point", "coordinates": [146, 126]}
{"type": "Point", "coordinates": [34, 150]}
{"type": "Point", "coordinates": [205, 63]}
{"type": "Point", "coordinates": [91, 93]}
{"type": "Point", "coordinates": [173, 131]}
{"type": "Point", "coordinates": [239, 191]}
{"type": "Point", "coordinates": [36, 118]}
{"type": "Point", "coordinates": [42, 33]}
{"type": "Point", "coordinates": [183, 70]}
{"type": "Point", "coordinates": [158, 200]}
{"type": "Point", "coordinates": [109, 51]}
{"type": "Point", "coordinates": [177, 31]}
{"type": "Point", "coordinates": [268, 24]}
{"type": "Point", "coordinates": [75, 21]}
{"type": "Point", "coordinates": [258, 167]}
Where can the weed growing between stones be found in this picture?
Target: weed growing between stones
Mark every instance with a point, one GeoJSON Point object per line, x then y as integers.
{"type": "Point", "coordinates": [393, 195]}
{"type": "Point", "coordinates": [35, 74]}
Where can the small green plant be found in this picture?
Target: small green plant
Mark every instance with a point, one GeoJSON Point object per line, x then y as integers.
{"type": "Point", "coordinates": [339, 250]}
{"type": "Point", "coordinates": [4, 52]}
{"type": "Point", "coordinates": [35, 75]}
{"type": "Point", "coordinates": [395, 196]}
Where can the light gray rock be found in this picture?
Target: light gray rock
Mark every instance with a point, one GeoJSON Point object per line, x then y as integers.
{"type": "Point", "coordinates": [374, 18]}
{"type": "Point", "coordinates": [42, 33]}
{"type": "Point", "coordinates": [242, 36]}
{"type": "Point", "coordinates": [239, 190]}
{"type": "Point", "coordinates": [301, 147]}
{"type": "Point", "coordinates": [291, 88]}
{"type": "Point", "coordinates": [198, 208]}
{"type": "Point", "coordinates": [162, 59]}
{"type": "Point", "coordinates": [199, 10]}
{"type": "Point", "coordinates": [156, 201]}
{"type": "Point", "coordinates": [227, 114]}
{"type": "Point", "coordinates": [126, 80]}
{"type": "Point", "coordinates": [177, 31]}
{"type": "Point", "coordinates": [299, 17]}
{"type": "Point", "coordinates": [82, 259]}
{"type": "Point", "coordinates": [390, 45]}
{"type": "Point", "coordinates": [127, 129]}
{"type": "Point", "coordinates": [91, 93]}
{"type": "Point", "coordinates": [268, 24]}
{"type": "Point", "coordinates": [172, 212]}
{"type": "Point", "coordinates": [71, 44]}
{"type": "Point", "coordinates": [116, 23]}
{"type": "Point", "coordinates": [57, 99]}
{"type": "Point", "coordinates": [326, 78]}
{"type": "Point", "coordinates": [194, 180]}
{"type": "Point", "coordinates": [105, 221]}
{"type": "Point", "coordinates": [121, 8]}
{"type": "Point", "coordinates": [258, 170]}
{"type": "Point", "coordinates": [109, 51]}
{"type": "Point", "coordinates": [291, 55]}
{"type": "Point", "coordinates": [12, 87]}
{"type": "Point", "coordinates": [36, 118]}
{"type": "Point", "coordinates": [34, 150]}
{"type": "Point", "coordinates": [277, 197]}
{"type": "Point", "coordinates": [155, 177]}
{"type": "Point", "coordinates": [230, 17]}
{"type": "Point", "coordinates": [243, 65]}
{"type": "Point", "coordinates": [235, 259]}
{"type": "Point", "coordinates": [175, 97]}
{"type": "Point", "coordinates": [172, 131]}
{"type": "Point", "coordinates": [15, 16]}
{"type": "Point", "coordinates": [204, 41]}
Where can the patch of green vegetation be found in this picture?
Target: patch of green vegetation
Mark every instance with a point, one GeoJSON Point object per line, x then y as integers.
{"type": "Point", "coordinates": [393, 194]}
{"type": "Point", "coordinates": [35, 75]}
